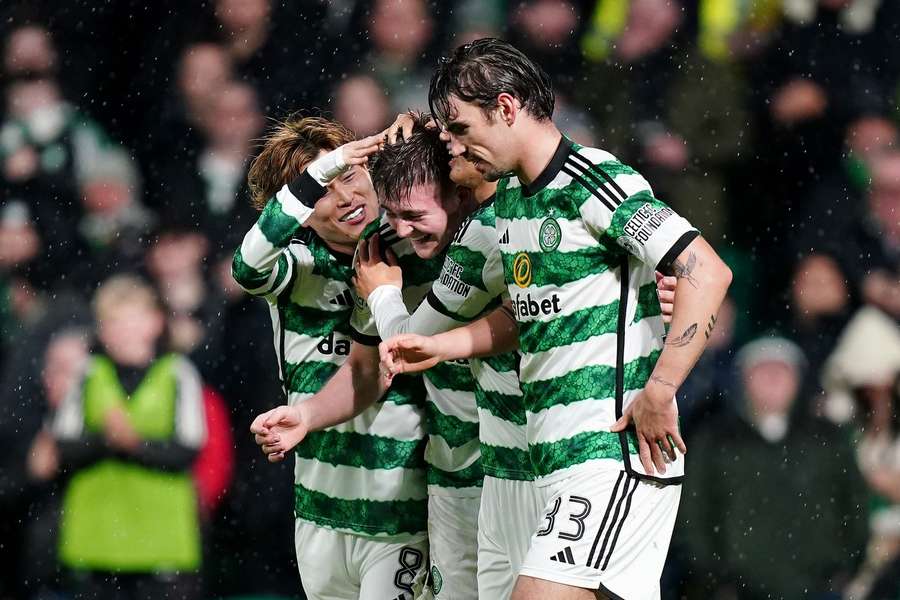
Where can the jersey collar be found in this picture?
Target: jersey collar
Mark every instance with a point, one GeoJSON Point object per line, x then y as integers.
{"type": "Point", "coordinates": [551, 170]}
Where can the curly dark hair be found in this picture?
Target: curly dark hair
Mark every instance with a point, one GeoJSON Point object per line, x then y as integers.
{"type": "Point", "coordinates": [480, 71]}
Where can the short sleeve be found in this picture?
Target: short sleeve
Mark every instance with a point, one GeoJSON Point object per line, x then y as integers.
{"type": "Point", "coordinates": [471, 279]}
{"type": "Point", "coordinates": [621, 208]}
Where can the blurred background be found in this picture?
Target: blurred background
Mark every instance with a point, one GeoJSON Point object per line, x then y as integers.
{"type": "Point", "coordinates": [126, 132]}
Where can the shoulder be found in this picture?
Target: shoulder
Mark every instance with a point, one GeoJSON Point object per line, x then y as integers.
{"type": "Point", "coordinates": [600, 171]}
{"type": "Point", "coordinates": [478, 231]}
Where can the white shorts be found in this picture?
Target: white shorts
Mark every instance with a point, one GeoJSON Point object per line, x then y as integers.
{"type": "Point", "coordinates": [604, 529]}
{"type": "Point", "coordinates": [453, 545]}
{"type": "Point", "coordinates": [342, 566]}
{"type": "Point", "coordinates": [510, 512]}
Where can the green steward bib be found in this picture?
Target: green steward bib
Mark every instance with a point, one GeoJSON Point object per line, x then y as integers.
{"type": "Point", "coordinates": [121, 516]}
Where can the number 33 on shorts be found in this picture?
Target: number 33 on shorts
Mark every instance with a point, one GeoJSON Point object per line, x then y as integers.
{"type": "Point", "coordinates": [608, 531]}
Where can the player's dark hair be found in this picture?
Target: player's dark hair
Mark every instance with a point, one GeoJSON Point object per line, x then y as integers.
{"type": "Point", "coordinates": [421, 159]}
{"type": "Point", "coordinates": [482, 70]}
{"type": "Point", "coordinates": [287, 148]}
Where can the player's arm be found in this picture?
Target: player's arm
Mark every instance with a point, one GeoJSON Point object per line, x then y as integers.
{"type": "Point", "coordinates": [702, 281]}
{"type": "Point", "coordinates": [260, 265]}
{"type": "Point", "coordinates": [411, 353]}
{"type": "Point", "coordinates": [354, 387]}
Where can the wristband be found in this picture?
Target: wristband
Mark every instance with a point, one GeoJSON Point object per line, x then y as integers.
{"type": "Point", "coordinates": [326, 168]}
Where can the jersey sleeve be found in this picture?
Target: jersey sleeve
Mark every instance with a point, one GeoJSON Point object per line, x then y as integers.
{"type": "Point", "coordinates": [471, 280]}
{"type": "Point", "coordinates": [622, 209]}
{"type": "Point", "coordinates": [261, 264]}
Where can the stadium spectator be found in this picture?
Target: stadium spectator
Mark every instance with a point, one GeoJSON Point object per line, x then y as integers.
{"type": "Point", "coordinates": [64, 362]}
{"type": "Point", "coordinates": [362, 105]}
{"type": "Point", "coordinates": [746, 468]}
{"type": "Point", "coordinates": [177, 133]}
{"type": "Point", "coordinates": [128, 435]}
{"type": "Point", "coordinates": [206, 192]}
{"type": "Point", "coordinates": [821, 306]}
{"type": "Point", "coordinates": [861, 378]}
{"type": "Point", "coordinates": [401, 31]}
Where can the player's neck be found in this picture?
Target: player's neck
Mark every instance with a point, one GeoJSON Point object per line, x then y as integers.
{"type": "Point", "coordinates": [341, 248]}
{"type": "Point", "coordinates": [484, 191]}
{"type": "Point", "coordinates": [543, 139]}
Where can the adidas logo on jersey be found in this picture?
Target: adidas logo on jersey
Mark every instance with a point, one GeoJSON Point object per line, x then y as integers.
{"type": "Point", "coordinates": [504, 239]}
{"type": "Point", "coordinates": [345, 298]}
{"type": "Point", "coordinates": [564, 556]}
{"type": "Point", "coordinates": [329, 345]}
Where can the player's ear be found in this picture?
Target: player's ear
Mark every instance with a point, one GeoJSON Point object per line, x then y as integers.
{"type": "Point", "coordinates": [507, 108]}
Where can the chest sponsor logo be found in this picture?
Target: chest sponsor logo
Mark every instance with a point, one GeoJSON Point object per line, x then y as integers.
{"type": "Point", "coordinates": [642, 224]}
{"type": "Point", "coordinates": [526, 306]}
{"type": "Point", "coordinates": [550, 235]}
{"type": "Point", "coordinates": [330, 345]}
{"type": "Point", "coordinates": [521, 270]}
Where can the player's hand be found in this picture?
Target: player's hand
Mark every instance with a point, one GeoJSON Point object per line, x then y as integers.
{"type": "Point", "coordinates": [402, 127]}
{"type": "Point", "coordinates": [665, 291]}
{"type": "Point", "coordinates": [357, 152]}
{"type": "Point", "coordinates": [409, 353]}
{"type": "Point", "coordinates": [656, 422]}
{"type": "Point", "coordinates": [372, 272]}
{"type": "Point", "coordinates": [277, 431]}
{"type": "Point", "coordinates": [400, 130]}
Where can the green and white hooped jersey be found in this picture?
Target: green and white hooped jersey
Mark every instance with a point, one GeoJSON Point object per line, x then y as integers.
{"type": "Point", "coordinates": [452, 455]}
{"type": "Point", "coordinates": [579, 247]}
{"type": "Point", "coordinates": [470, 286]}
{"type": "Point", "coordinates": [365, 476]}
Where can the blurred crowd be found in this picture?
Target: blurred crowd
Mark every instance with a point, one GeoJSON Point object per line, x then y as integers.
{"type": "Point", "coordinates": [125, 136]}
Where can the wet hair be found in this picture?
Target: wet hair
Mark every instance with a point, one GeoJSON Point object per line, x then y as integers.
{"type": "Point", "coordinates": [287, 148]}
{"type": "Point", "coordinates": [422, 159]}
{"type": "Point", "coordinates": [480, 71]}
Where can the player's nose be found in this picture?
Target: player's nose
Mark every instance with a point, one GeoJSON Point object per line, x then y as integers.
{"type": "Point", "coordinates": [455, 148]}
{"type": "Point", "coordinates": [403, 229]}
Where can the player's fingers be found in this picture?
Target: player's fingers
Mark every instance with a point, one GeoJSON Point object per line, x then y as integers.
{"type": "Point", "coordinates": [272, 448]}
{"type": "Point", "coordinates": [362, 251]}
{"type": "Point", "coordinates": [669, 282]}
{"type": "Point", "coordinates": [675, 436]}
{"type": "Point", "coordinates": [373, 254]}
{"type": "Point", "coordinates": [644, 454]}
{"type": "Point", "coordinates": [275, 416]}
{"type": "Point", "coordinates": [275, 457]}
{"type": "Point", "coordinates": [656, 456]}
{"type": "Point", "coordinates": [667, 296]}
{"type": "Point", "coordinates": [406, 129]}
{"type": "Point", "coordinates": [259, 423]}
{"type": "Point", "coordinates": [659, 276]}
{"type": "Point", "coordinates": [622, 423]}
{"type": "Point", "coordinates": [391, 257]}
{"type": "Point", "coordinates": [666, 311]}
{"type": "Point", "coordinates": [667, 448]}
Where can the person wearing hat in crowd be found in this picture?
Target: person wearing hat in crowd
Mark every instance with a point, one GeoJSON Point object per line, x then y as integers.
{"type": "Point", "coordinates": [767, 458]}
{"type": "Point", "coordinates": [862, 381]}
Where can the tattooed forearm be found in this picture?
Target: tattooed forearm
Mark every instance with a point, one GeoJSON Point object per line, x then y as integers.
{"type": "Point", "coordinates": [710, 326]}
{"type": "Point", "coordinates": [662, 381]}
{"type": "Point", "coordinates": [684, 339]}
{"type": "Point", "coordinates": [685, 271]}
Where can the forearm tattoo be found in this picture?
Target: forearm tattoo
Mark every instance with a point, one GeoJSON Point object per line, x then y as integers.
{"type": "Point", "coordinates": [710, 326]}
{"type": "Point", "coordinates": [685, 271]}
{"type": "Point", "coordinates": [684, 339]}
{"type": "Point", "coordinates": [662, 381]}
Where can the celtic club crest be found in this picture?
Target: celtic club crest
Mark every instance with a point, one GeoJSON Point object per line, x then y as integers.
{"type": "Point", "coordinates": [550, 234]}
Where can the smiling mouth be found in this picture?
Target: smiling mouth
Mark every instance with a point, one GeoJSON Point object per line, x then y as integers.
{"type": "Point", "coordinates": [353, 214]}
